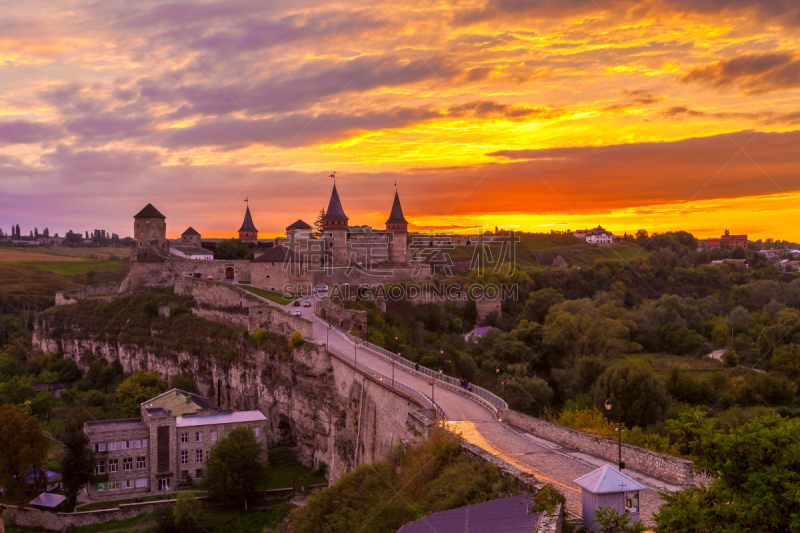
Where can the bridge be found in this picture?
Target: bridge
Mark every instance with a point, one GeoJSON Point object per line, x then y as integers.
{"type": "Point", "coordinates": [478, 417]}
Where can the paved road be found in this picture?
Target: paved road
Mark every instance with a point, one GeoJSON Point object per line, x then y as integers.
{"type": "Point", "coordinates": [546, 460]}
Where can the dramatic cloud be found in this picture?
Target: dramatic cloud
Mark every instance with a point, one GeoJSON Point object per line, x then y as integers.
{"type": "Point", "coordinates": [753, 73]}
{"type": "Point", "coordinates": [478, 108]}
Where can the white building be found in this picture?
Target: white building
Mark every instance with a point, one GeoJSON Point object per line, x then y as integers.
{"type": "Point", "coordinates": [599, 236]}
{"type": "Point", "coordinates": [190, 252]}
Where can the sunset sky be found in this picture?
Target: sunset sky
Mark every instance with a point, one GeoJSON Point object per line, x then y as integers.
{"type": "Point", "coordinates": [541, 114]}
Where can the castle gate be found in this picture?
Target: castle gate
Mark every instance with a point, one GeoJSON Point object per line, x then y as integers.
{"type": "Point", "coordinates": [229, 272]}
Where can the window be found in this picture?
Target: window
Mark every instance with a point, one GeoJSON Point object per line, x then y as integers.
{"type": "Point", "coordinates": [184, 438]}
{"type": "Point", "coordinates": [257, 431]}
{"type": "Point", "coordinates": [100, 467]}
{"type": "Point", "coordinates": [127, 463]}
{"type": "Point", "coordinates": [128, 484]}
{"type": "Point", "coordinates": [100, 447]}
{"type": "Point", "coordinates": [144, 443]}
{"type": "Point", "coordinates": [141, 463]}
{"type": "Point", "coordinates": [113, 446]}
{"type": "Point", "coordinates": [213, 436]}
{"type": "Point", "coordinates": [632, 502]}
{"type": "Point", "coordinates": [198, 437]}
{"type": "Point", "coordinates": [199, 473]}
{"type": "Point", "coordinates": [184, 474]}
{"type": "Point", "coordinates": [113, 485]}
{"type": "Point", "coordinates": [184, 457]}
{"type": "Point", "coordinates": [101, 487]}
{"type": "Point", "coordinates": [198, 456]}
{"type": "Point", "coordinates": [113, 465]}
{"type": "Point", "coordinates": [163, 484]}
{"type": "Point", "coordinates": [141, 483]}
{"type": "Point", "coordinates": [126, 444]}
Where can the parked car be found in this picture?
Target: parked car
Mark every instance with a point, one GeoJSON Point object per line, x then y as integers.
{"type": "Point", "coordinates": [296, 303]}
{"type": "Point", "coordinates": [211, 278]}
{"type": "Point", "coordinates": [306, 304]}
{"type": "Point", "coordinates": [321, 288]}
{"type": "Point", "coordinates": [297, 313]}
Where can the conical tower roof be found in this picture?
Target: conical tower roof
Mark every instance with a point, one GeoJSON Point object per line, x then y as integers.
{"type": "Point", "coordinates": [396, 216]}
{"type": "Point", "coordinates": [247, 224]}
{"type": "Point", "coordinates": [335, 211]}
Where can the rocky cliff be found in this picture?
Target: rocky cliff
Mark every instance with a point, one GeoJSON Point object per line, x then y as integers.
{"type": "Point", "coordinates": [309, 397]}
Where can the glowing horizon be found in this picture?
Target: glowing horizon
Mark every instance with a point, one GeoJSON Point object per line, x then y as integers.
{"type": "Point", "coordinates": [657, 115]}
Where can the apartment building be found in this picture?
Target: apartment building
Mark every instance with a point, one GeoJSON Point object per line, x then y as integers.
{"type": "Point", "coordinates": [168, 444]}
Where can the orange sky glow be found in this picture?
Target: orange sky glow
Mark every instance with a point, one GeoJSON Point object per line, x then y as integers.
{"type": "Point", "coordinates": [536, 114]}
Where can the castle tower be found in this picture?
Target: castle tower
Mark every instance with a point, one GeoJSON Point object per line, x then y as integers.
{"type": "Point", "coordinates": [149, 231]}
{"type": "Point", "coordinates": [191, 237]}
{"type": "Point", "coordinates": [248, 231]}
{"type": "Point", "coordinates": [398, 227]}
{"type": "Point", "coordinates": [334, 228]}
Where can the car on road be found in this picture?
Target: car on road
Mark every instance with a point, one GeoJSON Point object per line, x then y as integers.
{"type": "Point", "coordinates": [296, 303]}
{"type": "Point", "coordinates": [211, 278]}
{"type": "Point", "coordinates": [306, 304]}
{"type": "Point", "coordinates": [321, 288]}
{"type": "Point", "coordinates": [297, 313]}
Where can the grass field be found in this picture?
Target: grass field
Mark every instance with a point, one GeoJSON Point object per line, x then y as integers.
{"type": "Point", "coordinates": [269, 295]}
{"type": "Point", "coordinates": [15, 255]}
{"type": "Point", "coordinates": [66, 252]}
{"type": "Point", "coordinates": [116, 503]}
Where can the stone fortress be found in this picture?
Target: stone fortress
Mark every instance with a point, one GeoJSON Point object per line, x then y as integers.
{"type": "Point", "coordinates": [296, 262]}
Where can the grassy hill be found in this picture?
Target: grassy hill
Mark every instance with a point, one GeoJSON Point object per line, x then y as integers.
{"type": "Point", "coordinates": [536, 250]}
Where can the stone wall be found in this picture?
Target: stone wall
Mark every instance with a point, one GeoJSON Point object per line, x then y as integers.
{"type": "Point", "coordinates": [31, 517]}
{"type": "Point", "coordinates": [349, 319]}
{"type": "Point", "coordinates": [659, 465]}
{"type": "Point", "coordinates": [525, 482]}
{"type": "Point", "coordinates": [91, 291]}
{"type": "Point", "coordinates": [226, 303]}
{"type": "Point", "coordinates": [160, 274]}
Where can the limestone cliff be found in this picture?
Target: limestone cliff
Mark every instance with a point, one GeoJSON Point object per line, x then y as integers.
{"type": "Point", "coordinates": [309, 397]}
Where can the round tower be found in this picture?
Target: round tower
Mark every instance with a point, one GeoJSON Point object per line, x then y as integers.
{"type": "Point", "coordinates": [191, 237]}
{"type": "Point", "coordinates": [149, 231]}
{"type": "Point", "coordinates": [397, 226]}
{"type": "Point", "coordinates": [334, 228]}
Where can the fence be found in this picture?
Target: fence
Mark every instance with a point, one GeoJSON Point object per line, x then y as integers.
{"type": "Point", "coordinates": [421, 398]}
{"type": "Point", "coordinates": [480, 392]}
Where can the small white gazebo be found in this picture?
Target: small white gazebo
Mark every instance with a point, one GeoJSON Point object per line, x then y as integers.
{"type": "Point", "coordinates": [608, 487]}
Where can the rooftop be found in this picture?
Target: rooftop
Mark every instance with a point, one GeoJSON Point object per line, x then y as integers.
{"type": "Point", "coordinates": [149, 212]}
{"type": "Point", "coordinates": [228, 418]}
{"type": "Point", "coordinates": [396, 216]}
{"type": "Point", "coordinates": [298, 224]}
{"type": "Point", "coordinates": [190, 231]}
{"type": "Point", "coordinates": [120, 424]}
{"type": "Point", "coordinates": [47, 499]}
{"type": "Point", "coordinates": [608, 480]}
{"type": "Point", "coordinates": [279, 254]}
{"type": "Point", "coordinates": [192, 250]}
{"type": "Point", "coordinates": [335, 210]}
{"type": "Point", "coordinates": [247, 223]}
{"type": "Point", "coordinates": [199, 401]}
{"type": "Point", "coordinates": [506, 515]}
{"type": "Point", "coordinates": [156, 412]}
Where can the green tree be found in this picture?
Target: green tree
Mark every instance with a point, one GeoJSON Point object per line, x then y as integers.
{"type": "Point", "coordinates": [17, 390]}
{"type": "Point", "coordinates": [137, 388]}
{"type": "Point", "coordinates": [539, 303]}
{"type": "Point", "coordinates": [296, 340]}
{"type": "Point", "coordinates": [637, 396]}
{"type": "Point", "coordinates": [581, 335]}
{"type": "Point", "coordinates": [23, 451]}
{"type": "Point", "coordinates": [231, 249]}
{"type": "Point", "coordinates": [318, 223]}
{"type": "Point", "coordinates": [185, 382]}
{"type": "Point", "coordinates": [755, 478]}
{"type": "Point", "coordinates": [524, 392]}
{"type": "Point", "coordinates": [236, 465]}
{"type": "Point", "coordinates": [786, 360]}
{"type": "Point", "coordinates": [186, 512]}
{"type": "Point", "coordinates": [42, 405]}
{"type": "Point", "coordinates": [77, 462]}
{"type": "Point", "coordinates": [610, 521]}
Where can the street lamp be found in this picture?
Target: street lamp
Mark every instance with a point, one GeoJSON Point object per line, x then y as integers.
{"type": "Point", "coordinates": [619, 430]}
{"type": "Point", "coordinates": [328, 336]}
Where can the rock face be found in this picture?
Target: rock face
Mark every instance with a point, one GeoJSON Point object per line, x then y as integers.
{"type": "Point", "coordinates": [331, 412]}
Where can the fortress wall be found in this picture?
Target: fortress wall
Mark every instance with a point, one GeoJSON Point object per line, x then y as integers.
{"type": "Point", "coordinates": [349, 319]}
{"type": "Point", "coordinates": [92, 291]}
{"type": "Point", "coordinates": [666, 467]}
{"type": "Point", "coordinates": [159, 274]}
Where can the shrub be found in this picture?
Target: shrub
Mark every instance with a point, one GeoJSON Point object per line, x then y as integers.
{"type": "Point", "coordinates": [185, 514]}
{"type": "Point", "coordinates": [731, 359]}
{"type": "Point", "coordinates": [547, 499]}
{"type": "Point", "coordinates": [296, 340]}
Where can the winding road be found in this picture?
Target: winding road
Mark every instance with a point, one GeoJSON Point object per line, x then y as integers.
{"type": "Point", "coordinates": [548, 461]}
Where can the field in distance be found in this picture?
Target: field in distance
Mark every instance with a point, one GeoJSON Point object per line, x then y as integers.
{"type": "Point", "coordinates": [60, 253]}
